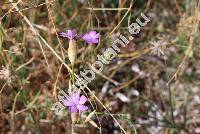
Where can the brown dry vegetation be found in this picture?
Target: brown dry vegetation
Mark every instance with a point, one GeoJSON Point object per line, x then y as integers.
{"type": "Point", "coordinates": [144, 92]}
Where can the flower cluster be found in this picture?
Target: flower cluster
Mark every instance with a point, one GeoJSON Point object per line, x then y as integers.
{"type": "Point", "coordinates": [91, 37]}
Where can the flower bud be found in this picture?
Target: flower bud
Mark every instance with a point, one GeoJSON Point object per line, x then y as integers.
{"type": "Point", "coordinates": [72, 51]}
{"type": "Point", "coordinates": [74, 117]}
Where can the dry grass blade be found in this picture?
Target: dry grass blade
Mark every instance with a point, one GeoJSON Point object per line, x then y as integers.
{"type": "Point", "coordinates": [88, 118]}
{"type": "Point", "coordinates": [14, 5]}
{"type": "Point", "coordinates": [129, 9]}
{"type": "Point", "coordinates": [54, 89]}
{"type": "Point", "coordinates": [28, 62]}
{"type": "Point", "coordinates": [107, 78]}
{"type": "Point", "coordinates": [117, 89]}
{"type": "Point", "coordinates": [42, 4]}
{"type": "Point", "coordinates": [107, 9]}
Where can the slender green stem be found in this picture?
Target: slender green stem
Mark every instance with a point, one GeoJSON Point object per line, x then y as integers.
{"type": "Point", "coordinates": [73, 77]}
{"type": "Point", "coordinates": [73, 124]}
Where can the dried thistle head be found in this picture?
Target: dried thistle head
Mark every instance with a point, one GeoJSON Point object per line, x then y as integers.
{"type": "Point", "coordinates": [16, 50]}
{"type": "Point", "coordinates": [186, 25]}
{"type": "Point", "coordinates": [189, 22]}
{"type": "Point", "coordinates": [158, 47]}
{"type": "Point", "coordinates": [5, 74]}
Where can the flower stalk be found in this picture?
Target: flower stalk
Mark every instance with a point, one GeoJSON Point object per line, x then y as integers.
{"type": "Point", "coordinates": [72, 54]}
{"type": "Point", "coordinates": [72, 49]}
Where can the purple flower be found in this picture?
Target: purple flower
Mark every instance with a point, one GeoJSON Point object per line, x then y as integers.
{"type": "Point", "coordinates": [70, 34]}
{"type": "Point", "coordinates": [91, 37]}
{"type": "Point", "coordinates": [75, 102]}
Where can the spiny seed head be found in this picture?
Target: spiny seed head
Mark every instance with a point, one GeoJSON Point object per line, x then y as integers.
{"type": "Point", "coordinates": [158, 47]}
{"type": "Point", "coordinates": [72, 51]}
{"type": "Point", "coordinates": [6, 74]}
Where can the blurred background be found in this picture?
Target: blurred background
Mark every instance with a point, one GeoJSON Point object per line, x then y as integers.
{"type": "Point", "coordinates": [151, 87]}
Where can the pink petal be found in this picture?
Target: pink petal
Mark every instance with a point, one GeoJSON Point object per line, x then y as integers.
{"type": "Point", "coordinates": [73, 109]}
{"type": "Point", "coordinates": [63, 34]}
{"type": "Point", "coordinates": [82, 108]}
{"type": "Point", "coordinates": [86, 36]}
{"type": "Point", "coordinates": [71, 33]}
{"type": "Point", "coordinates": [68, 103]}
{"type": "Point", "coordinates": [92, 33]}
{"type": "Point", "coordinates": [95, 41]}
{"type": "Point", "coordinates": [97, 35]}
{"type": "Point", "coordinates": [74, 96]}
{"type": "Point", "coordinates": [82, 100]}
